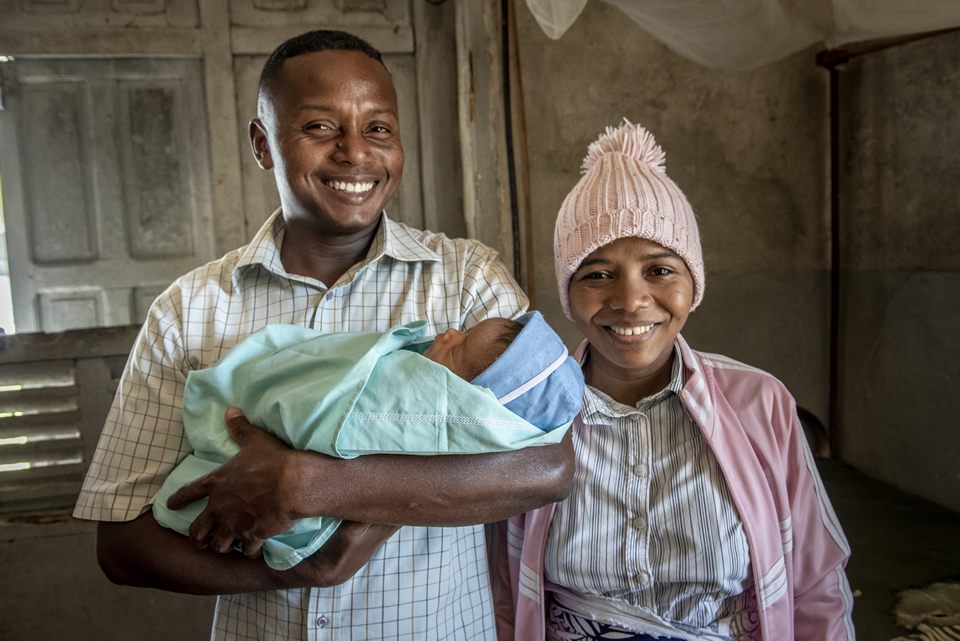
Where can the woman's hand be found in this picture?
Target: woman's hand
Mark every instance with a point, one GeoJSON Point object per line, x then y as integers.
{"type": "Point", "coordinates": [251, 495]}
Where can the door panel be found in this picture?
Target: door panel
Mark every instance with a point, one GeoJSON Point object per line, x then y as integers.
{"type": "Point", "coordinates": [106, 186]}
{"type": "Point", "coordinates": [157, 210]}
{"type": "Point", "coordinates": [349, 15]}
{"type": "Point", "coordinates": [68, 308]}
{"type": "Point", "coordinates": [57, 147]}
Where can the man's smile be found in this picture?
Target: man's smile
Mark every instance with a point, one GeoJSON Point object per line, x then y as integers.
{"type": "Point", "coordinates": [353, 188]}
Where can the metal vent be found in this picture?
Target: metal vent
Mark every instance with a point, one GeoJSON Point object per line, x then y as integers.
{"type": "Point", "coordinates": [41, 453]}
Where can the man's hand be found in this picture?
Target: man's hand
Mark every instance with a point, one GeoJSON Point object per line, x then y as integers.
{"type": "Point", "coordinates": [347, 550]}
{"type": "Point", "coordinates": [267, 486]}
{"type": "Point", "coordinates": [143, 553]}
{"type": "Point", "coordinates": [250, 495]}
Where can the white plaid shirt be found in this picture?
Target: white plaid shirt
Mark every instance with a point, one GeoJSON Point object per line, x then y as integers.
{"type": "Point", "coordinates": [424, 583]}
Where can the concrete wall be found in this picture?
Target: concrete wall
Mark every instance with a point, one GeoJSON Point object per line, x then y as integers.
{"type": "Point", "coordinates": [53, 589]}
{"type": "Point", "coordinates": [900, 232]}
{"type": "Point", "coordinates": [750, 152]}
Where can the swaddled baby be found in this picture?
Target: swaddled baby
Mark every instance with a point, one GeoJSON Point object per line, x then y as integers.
{"type": "Point", "coordinates": [502, 385]}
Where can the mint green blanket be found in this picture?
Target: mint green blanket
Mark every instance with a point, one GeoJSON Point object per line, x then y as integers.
{"type": "Point", "coordinates": [343, 394]}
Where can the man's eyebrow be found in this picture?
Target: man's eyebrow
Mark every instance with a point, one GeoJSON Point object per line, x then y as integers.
{"type": "Point", "coordinates": [315, 108]}
{"type": "Point", "coordinates": [328, 109]}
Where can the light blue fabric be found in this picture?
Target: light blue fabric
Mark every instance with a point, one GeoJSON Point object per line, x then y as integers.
{"type": "Point", "coordinates": [534, 377]}
{"type": "Point", "coordinates": [343, 394]}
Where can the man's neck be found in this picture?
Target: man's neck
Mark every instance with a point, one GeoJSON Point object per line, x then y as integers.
{"type": "Point", "coordinates": [308, 251]}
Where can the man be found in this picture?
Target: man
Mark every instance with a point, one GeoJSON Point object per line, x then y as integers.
{"type": "Point", "coordinates": [329, 259]}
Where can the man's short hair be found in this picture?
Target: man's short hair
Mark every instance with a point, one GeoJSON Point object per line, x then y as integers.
{"type": "Point", "coordinates": [320, 40]}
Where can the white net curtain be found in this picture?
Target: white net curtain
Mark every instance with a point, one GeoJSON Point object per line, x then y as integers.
{"type": "Point", "coordinates": [745, 34]}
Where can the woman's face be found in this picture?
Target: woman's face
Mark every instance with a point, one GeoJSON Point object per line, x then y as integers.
{"type": "Point", "coordinates": [630, 299]}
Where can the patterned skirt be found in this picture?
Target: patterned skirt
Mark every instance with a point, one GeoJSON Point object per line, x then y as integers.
{"type": "Point", "coordinates": [566, 625]}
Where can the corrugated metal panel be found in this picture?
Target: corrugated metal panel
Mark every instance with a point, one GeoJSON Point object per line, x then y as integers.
{"type": "Point", "coordinates": [41, 453]}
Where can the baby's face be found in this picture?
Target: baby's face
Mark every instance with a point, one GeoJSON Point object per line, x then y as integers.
{"type": "Point", "coordinates": [468, 353]}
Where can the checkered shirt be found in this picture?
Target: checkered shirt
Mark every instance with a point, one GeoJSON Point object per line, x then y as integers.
{"type": "Point", "coordinates": [424, 583]}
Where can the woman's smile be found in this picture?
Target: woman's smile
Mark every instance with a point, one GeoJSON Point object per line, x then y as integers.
{"type": "Point", "coordinates": [630, 299]}
{"type": "Point", "coordinates": [638, 331]}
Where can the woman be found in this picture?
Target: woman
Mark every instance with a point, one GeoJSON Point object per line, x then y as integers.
{"type": "Point", "coordinates": [697, 512]}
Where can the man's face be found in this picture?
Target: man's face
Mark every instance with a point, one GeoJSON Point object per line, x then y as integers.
{"type": "Point", "coordinates": [330, 131]}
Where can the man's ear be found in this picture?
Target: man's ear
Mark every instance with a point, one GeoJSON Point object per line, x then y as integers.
{"type": "Point", "coordinates": [260, 144]}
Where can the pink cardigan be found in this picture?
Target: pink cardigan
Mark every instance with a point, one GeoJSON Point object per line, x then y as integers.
{"type": "Point", "coordinates": [797, 549]}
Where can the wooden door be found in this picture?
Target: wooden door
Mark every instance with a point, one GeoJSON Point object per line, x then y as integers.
{"type": "Point", "coordinates": [106, 179]}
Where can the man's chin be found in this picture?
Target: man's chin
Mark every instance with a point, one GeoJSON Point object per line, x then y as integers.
{"type": "Point", "coordinates": [336, 220]}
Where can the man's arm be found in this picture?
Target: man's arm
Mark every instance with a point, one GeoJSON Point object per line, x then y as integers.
{"type": "Point", "coordinates": [142, 553]}
{"type": "Point", "coordinates": [435, 490]}
{"type": "Point", "coordinates": [266, 486]}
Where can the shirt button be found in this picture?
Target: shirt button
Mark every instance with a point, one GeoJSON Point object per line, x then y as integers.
{"type": "Point", "coordinates": [639, 523]}
{"type": "Point", "coordinates": [329, 295]}
{"type": "Point", "coordinates": [640, 470]}
{"type": "Point", "coordinates": [641, 577]}
{"type": "Point", "coordinates": [322, 620]}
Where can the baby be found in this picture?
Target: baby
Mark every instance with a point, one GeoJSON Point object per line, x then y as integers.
{"type": "Point", "coordinates": [502, 385]}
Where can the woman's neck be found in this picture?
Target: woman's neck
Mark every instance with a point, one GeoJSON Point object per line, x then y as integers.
{"type": "Point", "coordinates": [627, 386]}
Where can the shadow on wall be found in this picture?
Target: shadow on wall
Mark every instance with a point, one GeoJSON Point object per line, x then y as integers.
{"type": "Point", "coordinates": [816, 433]}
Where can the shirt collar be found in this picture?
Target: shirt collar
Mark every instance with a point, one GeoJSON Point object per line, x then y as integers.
{"type": "Point", "coordinates": [598, 406]}
{"type": "Point", "coordinates": [394, 240]}
{"type": "Point", "coordinates": [397, 241]}
{"type": "Point", "coordinates": [263, 250]}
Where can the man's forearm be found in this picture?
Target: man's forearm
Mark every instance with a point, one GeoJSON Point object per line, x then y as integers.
{"type": "Point", "coordinates": [267, 486]}
{"type": "Point", "coordinates": [142, 553]}
{"type": "Point", "coordinates": [432, 490]}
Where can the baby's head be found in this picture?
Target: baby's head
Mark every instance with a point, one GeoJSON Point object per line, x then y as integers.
{"type": "Point", "coordinates": [468, 353]}
{"type": "Point", "coordinates": [523, 362]}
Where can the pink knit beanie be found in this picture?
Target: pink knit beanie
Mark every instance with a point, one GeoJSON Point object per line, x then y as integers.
{"type": "Point", "coordinates": [625, 191]}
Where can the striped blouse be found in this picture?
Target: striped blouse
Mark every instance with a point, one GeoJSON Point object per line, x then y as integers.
{"type": "Point", "coordinates": [651, 523]}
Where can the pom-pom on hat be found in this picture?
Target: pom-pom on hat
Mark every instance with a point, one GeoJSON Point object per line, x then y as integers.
{"type": "Point", "coordinates": [624, 192]}
{"type": "Point", "coordinates": [535, 377]}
